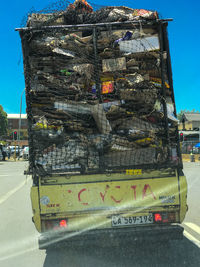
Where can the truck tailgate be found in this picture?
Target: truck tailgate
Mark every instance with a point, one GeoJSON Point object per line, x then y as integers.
{"type": "Point", "coordinates": [126, 195]}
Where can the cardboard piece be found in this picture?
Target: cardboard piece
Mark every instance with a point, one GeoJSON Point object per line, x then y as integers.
{"type": "Point", "coordinates": [99, 116]}
{"type": "Point", "coordinates": [140, 45]}
{"type": "Point", "coordinates": [110, 65]}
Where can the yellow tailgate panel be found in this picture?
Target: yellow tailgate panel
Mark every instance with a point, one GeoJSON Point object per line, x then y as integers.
{"type": "Point", "coordinates": [116, 195]}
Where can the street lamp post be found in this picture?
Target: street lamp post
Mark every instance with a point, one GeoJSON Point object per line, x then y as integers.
{"type": "Point", "coordinates": [20, 120]}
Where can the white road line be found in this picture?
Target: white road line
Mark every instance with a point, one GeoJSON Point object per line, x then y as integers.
{"type": "Point", "coordinates": [193, 226]}
{"type": "Point", "coordinates": [13, 191]}
{"type": "Point", "coordinates": [3, 175]}
{"type": "Point", "coordinates": [192, 238]}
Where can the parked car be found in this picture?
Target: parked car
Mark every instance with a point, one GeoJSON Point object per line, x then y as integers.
{"type": "Point", "coordinates": [12, 150]}
{"type": "Point", "coordinates": [195, 150]}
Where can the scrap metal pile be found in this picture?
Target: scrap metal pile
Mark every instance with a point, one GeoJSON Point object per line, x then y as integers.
{"type": "Point", "coordinates": [94, 95]}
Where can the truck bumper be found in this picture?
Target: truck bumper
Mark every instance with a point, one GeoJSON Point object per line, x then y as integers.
{"type": "Point", "coordinates": [117, 235]}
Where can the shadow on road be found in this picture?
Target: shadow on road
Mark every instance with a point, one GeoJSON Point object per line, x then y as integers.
{"type": "Point", "coordinates": [175, 253]}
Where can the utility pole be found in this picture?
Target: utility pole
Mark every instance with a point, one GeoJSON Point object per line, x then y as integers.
{"type": "Point", "coordinates": [20, 121]}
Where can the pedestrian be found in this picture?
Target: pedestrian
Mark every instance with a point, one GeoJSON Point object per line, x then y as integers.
{"type": "Point", "coordinates": [3, 153]}
{"type": "Point", "coordinates": [9, 152]}
{"type": "Point", "coordinates": [1, 150]}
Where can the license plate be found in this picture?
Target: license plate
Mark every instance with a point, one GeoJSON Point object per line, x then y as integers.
{"type": "Point", "coordinates": [131, 220]}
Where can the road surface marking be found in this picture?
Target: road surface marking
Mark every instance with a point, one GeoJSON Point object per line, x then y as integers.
{"type": "Point", "coordinates": [193, 226]}
{"type": "Point", "coordinates": [192, 238]}
{"type": "Point", "coordinates": [13, 191]}
{"type": "Point", "coordinates": [4, 175]}
{"type": "Point", "coordinates": [18, 247]}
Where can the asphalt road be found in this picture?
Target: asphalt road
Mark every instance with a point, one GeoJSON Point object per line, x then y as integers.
{"type": "Point", "coordinates": [18, 237]}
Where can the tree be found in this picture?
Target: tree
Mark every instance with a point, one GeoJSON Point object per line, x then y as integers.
{"type": "Point", "coordinates": [180, 114]}
{"type": "Point", "coordinates": [3, 122]}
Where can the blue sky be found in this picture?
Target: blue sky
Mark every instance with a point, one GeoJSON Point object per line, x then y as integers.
{"type": "Point", "coordinates": [184, 40]}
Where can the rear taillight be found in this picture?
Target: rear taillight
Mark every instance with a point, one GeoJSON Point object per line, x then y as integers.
{"type": "Point", "coordinates": [63, 223]}
{"type": "Point", "coordinates": [54, 225]}
{"type": "Point", "coordinates": [165, 217]}
{"type": "Point", "coordinates": [157, 217]}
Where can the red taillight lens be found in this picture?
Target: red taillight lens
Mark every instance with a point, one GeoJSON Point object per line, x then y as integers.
{"type": "Point", "coordinates": [158, 217]}
{"type": "Point", "coordinates": [165, 217]}
{"type": "Point", "coordinates": [54, 225]}
{"type": "Point", "coordinates": [63, 223]}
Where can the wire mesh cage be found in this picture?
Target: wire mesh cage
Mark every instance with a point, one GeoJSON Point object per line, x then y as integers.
{"type": "Point", "coordinates": [99, 91]}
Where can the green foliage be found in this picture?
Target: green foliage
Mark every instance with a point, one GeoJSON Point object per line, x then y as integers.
{"type": "Point", "coordinates": [3, 122]}
{"type": "Point", "coordinates": [3, 142]}
{"type": "Point", "coordinates": [180, 114]}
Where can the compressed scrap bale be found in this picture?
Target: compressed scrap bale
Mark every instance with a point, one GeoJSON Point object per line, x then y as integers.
{"type": "Point", "coordinates": [101, 142]}
{"type": "Point", "coordinates": [73, 108]}
{"type": "Point", "coordinates": [116, 112]}
{"type": "Point", "coordinates": [101, 120]}
{"type": "Point", "coordinates": [134, 78]}
{"type": "Point", "coordinates": [74, 153]}
{"type": "Point", "coordinates": [64, 52]}
{"type": "Point", "coordinates": [113, 14]}
{"type": "Point", "coordinates": [38, 19]}
{"type": "Point", "coordinates": [76, 14]}
{"type": "Point", "coordinates": [144, 142]}
{"type": "Point", "coordinates": [140, 45]}
{"type": "Point", "coordinates": [85, 69]}
{"type": "Point", "coordinates": [137, 124]}
{"type": "Point", "coordinates": [130, 158]}
{"type": "Point", "coordinates": [118, 142]}
{"type": "Point", "coordinates": [145, 96]}
{"type": "Point", "coordinates": [110, 65]}
{"type": "Point", "coordinates": [132, 62]}
{"type": "Point", "coordinates": [51, 80]}
{"type": "Point", "coordinates": [46, 44]}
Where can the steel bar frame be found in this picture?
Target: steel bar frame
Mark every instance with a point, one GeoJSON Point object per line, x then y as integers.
{"type": "Point", "coordinates": [25, 50]}
{"type": "Point", "coordinates": [169, 70]}
{"type": "Point", "coordinates": [136, 22]}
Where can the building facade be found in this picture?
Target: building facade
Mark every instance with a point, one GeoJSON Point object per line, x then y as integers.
{"type": "Point", "coordinates": [190, 122]}
{"type": "Point", "coordinates": [14, 125]}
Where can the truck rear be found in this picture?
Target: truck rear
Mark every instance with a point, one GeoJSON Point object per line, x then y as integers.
{"type": "Point", "coordinates": [103, 138]}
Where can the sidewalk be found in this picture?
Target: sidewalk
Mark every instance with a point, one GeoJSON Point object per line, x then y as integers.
{"type": "Point", "coordinates": [13, 160]}
{"type": "Point", "coordinates": [186, 157]}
